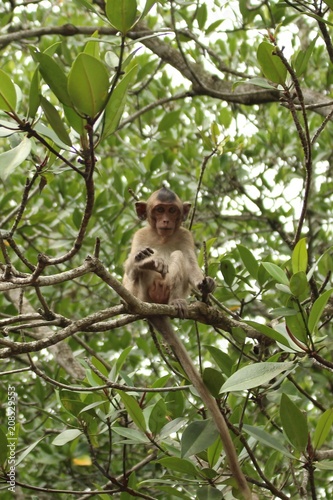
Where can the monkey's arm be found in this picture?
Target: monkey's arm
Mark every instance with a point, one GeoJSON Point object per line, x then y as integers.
{"type": "Point", "coordinates": [143, 257]}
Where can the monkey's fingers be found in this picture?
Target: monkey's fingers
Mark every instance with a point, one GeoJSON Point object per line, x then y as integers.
{"type": "Point", "coordinates": [143, 254]}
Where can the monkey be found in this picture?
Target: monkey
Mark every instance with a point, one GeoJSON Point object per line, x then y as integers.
{"type": "Point", "coordinates": [162, 266]}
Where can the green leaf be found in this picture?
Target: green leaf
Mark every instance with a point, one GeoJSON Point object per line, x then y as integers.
{"type": "Point", "coordinates": [209, 493]}
{"type": "Point", "coordinates": [54, 77]}
{"type": "Point", "coordinates": [180, 465]}
{"type": "Point", "coordinates": [299, 258]}
{"type": "Point", "coordinates": [8, 95]}
{"type": "Point", "coordinates": [119, 363]}
{"type": "Point", "coordinates": [11, 159]}
{"type": "Point", "coordinates": [263, 437]}
{"type": "Point", "coordinates": [294, 423]}
{"type": "Point", "coordinates": [132, 435]}
{"type": "Point", "coordinates": [34, 95]}
{"type": "Point", "coordinates": [276, 272]}
{"type": "Point", "coordinates": [160, 382]}
{"type": "Point", "coordinates": [317, 310]}
{"type": "Point", "coordinates": [323, 428]}
{"type": "Point", "coordinates": [255, 375]}
{"type": "Point", "coordinates": [263, 275]}
{"type": "Point", "coordinates": [201, 16]}
{"type": "Point", "coordinates": [93, 377]}
{"type": "Point", "coordinates": [213, 379]}
{"type": "Point", "coordinates": [134, 410]}
{"type": "Point", "coordinates": [297, 327]}
{"type": "Point", "coordinates": [55, 121]}
{"type": "Point", "coordinates": [269, 332]}
{"type": "Point", "coordinates": [71, 402]}
{"type": "Point", "coordinates": [51, 49]}
{"type": "Point", "coordinates": [303, 56]}
{"type": "Point", "coordinates": [92, 406]}
{"type": "Point", "coordinates": [66, 436]}
{"type": "Point", "coordinates": [93, 47]}
{"type": "Point", "coordinates": [158, 417]}
{"type": "Point", "coordinates": [271, 65]}
{"type": "Point", "coordinates": [88, 85]}
{"type": "Point", "coordinates": [258, 82]}
{"type": "Point", "coordinates": [26, 452]}
{"type": "Point", "coordinates": [172, 427]}
{"type": "Point", "coordinates": [283, 288]}
{"type": "Point", "coordinates": [222, 359]}
{"type": "Point", "coordinates": [299, 284]}
{"type": "Point", "coordinates": [116, 104]}
{"type": "Point", "coordinates": [121, 14]}
{"type": "Point", "coordinates": [324, 465]}
{"type": "Point", "coordinates": [75, 120]}
{"type": "Point", "coordinates": [122, 357]}
{"type": "Point", "coordinates": [249, 261]}
{"type": "Point", "coordinates": [214, 452]}
{"type": "Point", "coordinates": [168, 121]}
{"type": "Point", "coordinates": [48, 132]}
{"type": "Point", "coordinates": [228, 270]}
{"type": "Point", "coordinates": [175, 401]}
{"type": "Point", "coordinates": [7, 128]}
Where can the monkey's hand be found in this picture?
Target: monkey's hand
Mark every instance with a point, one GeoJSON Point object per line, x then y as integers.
{"type": "Point", "coordinates": [145, 260]}
{"type": "Point", "coordinates": [143, 254]}
{"type": "Point", "coordinates": [206, 286]}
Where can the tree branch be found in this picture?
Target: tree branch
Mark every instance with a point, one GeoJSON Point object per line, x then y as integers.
{"type": "Point", "coordinates": [211, 84]}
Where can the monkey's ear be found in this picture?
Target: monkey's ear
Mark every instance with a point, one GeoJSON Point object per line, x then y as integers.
{"type": "Point", "coordinates": [141, 209]}
{"type": "Point", "coordinates": [186, 209]}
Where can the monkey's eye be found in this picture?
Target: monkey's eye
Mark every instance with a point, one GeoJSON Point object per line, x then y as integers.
{"type": "Point", "coordinates": [173, 210]}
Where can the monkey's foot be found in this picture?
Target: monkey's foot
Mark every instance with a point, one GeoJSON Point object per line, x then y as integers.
{"type": "Point", "coordinates": [155, 264]}
{"type": "Point", "coordinates": [207, 285]}
{"type": "Point", "coordinates": [181, 306]}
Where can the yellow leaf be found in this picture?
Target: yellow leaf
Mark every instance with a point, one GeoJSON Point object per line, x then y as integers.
{"type": "Point", "coordinates": [84, 461]}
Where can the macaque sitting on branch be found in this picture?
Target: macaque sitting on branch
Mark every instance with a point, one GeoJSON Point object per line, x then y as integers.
{"type": "Point", "coordinates": [162, 266]}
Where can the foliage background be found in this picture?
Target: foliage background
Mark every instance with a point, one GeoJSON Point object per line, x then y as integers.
{"type": "Point", "coordinates": [229, 104]}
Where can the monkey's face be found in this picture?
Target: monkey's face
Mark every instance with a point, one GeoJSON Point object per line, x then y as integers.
{"type": "Point", "coordinates": [166, 217]}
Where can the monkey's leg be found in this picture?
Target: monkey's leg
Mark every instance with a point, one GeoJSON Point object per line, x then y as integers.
{"type": "Point", "coordinates": [178, 281]}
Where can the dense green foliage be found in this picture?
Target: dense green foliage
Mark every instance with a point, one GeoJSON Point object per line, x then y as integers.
{"type": "Point", "coordinates": [228, 104]}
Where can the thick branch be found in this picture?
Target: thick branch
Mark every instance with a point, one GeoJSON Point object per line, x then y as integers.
{"type": "Point", "coordinates": [209, 84]}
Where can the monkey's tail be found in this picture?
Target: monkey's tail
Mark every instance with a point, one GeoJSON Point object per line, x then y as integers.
{"type": "Point", "coordinates": [163, 325]}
